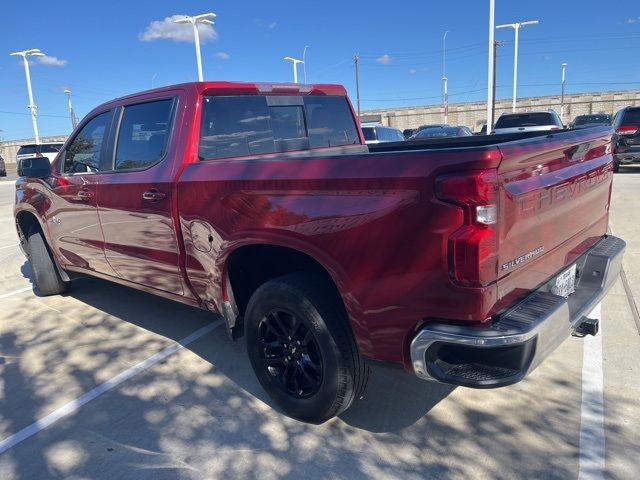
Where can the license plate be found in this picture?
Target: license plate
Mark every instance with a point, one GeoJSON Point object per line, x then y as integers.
{"type": "Point", "coordinates": [565, 282]}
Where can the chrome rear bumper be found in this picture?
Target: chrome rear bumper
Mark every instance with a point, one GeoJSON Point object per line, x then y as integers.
{"type": "Point", "coordinates": [523, 336]}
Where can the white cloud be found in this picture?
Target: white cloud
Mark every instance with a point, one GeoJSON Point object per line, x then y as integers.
{"type": "Point", "coordinates": [272, 25]}
{"type": "Point", "coordinates": [179, 32]}
{"type": "Point", "coordinates": [633, 20]}
{"type": "Point", "coordinates": [412, 71]}
{"type": "Point", "coordinates": [384, 59]}
{"type": "Point", "coordinates": [51, 61]}
{"type": "Point", "coordinates": [223, 56]}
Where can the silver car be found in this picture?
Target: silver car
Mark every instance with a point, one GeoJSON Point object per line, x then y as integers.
{"type": "Point", "coordinates": [535, 121]}
{"type": "Point", "coordinates": [376, 133]}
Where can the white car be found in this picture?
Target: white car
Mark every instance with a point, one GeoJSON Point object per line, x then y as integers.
{"type": "Point", "coordinates": [31, 150]}
{"type": "Point", "coordinates": [535, 121]}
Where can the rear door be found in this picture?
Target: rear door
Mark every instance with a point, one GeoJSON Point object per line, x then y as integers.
{"type": "Point", "coordinates": [73, 216]}
{"type": "Point", "coordinates": [554, 203]}
{"type": "Point", "coordinates": [135, 200]}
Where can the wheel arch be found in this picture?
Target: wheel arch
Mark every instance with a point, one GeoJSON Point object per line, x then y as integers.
{"type": "Point", "coordinates": [250, 265]}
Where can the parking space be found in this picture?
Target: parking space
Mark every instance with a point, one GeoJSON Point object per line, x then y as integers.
{"type": "Point", "coordinates": [199, 412]}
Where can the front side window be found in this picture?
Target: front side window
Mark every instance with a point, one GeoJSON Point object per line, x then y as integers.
{"type": "Point", "coordinates": [143, 134]}
{"type": "Point", "coordinates": [84, 153]}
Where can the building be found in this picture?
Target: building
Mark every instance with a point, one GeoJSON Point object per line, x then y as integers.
{"type": "Point", "coordinates": [474, 114]}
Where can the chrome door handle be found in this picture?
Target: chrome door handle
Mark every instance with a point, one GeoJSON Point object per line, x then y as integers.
{"type": "Point", "coordinates": [153, 195]}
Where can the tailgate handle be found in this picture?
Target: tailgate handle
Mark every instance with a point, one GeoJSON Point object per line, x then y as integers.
{"type": "Point", "coordinates": [153, 195]}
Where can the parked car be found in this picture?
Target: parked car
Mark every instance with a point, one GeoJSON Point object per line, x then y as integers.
{"type": "Point", "coordinates": [456, 260]}
{"type": "Point", "coordinates": [591, 120]}
{"type": "Point", "coordinates": [376, 133]}
{"type": "Point", "coordinates": [438, 131]}
{"type": "Point", "coordinates": [3, 167]}
{"type": "Point", "coordinates": [431, 125]}
{"type": "Point", "coordinates": [49, 150]}
{"type": "Point", "coordinates": [626, 123]}
{"type": "Point", "coordinates": [408, 132]}
{"type": "Point", "coordinates": [536, 121]}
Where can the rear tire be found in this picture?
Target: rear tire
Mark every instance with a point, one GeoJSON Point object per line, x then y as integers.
{"type": "Point", "coordinates": [301, 347]}
{"type": "Point", "coordinates": [45, 273]}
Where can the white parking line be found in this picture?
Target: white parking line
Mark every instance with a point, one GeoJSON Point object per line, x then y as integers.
{"type": "Point", "coordinates": [592, 441]}
{"type": "Point", "coordinates": [9, 246]}
{"type": "Point", "coordinates": [110, 384]}
{"type": "Point", "coordinates": [16, 292]}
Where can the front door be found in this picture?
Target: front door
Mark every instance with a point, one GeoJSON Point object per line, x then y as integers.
{"type": "Point", "coordinates": [72, 219]}
{"type": "Point", "coordinates": [135, 198]}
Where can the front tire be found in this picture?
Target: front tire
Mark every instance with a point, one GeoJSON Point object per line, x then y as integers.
{"type": "Point", "coordinates": [301, 347]}
{"type": "Point", "coordinates": [45, 273]}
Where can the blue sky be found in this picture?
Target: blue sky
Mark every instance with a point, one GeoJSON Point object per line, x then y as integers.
{"type": "Point", "coordinates": [100, 50]}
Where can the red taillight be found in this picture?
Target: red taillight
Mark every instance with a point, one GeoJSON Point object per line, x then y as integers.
{"type": "Point", "coordinates": [626, 130]}
{"type": "Point", "coordinates": [473, 248]}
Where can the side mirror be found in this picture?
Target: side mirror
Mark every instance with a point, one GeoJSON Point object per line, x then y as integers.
{"type": "Point", "coordinates": [36, 167]}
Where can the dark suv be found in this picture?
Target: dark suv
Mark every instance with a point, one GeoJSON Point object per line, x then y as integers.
{"type": "Point", "coordinates": [3, 167]}
{"type": "Point", "coordinates": [627, 138]}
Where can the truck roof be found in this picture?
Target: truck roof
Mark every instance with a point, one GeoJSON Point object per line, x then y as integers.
{"type": "Point", "coordinates": [235, 88]}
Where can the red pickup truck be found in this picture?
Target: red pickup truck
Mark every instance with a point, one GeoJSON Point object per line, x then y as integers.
{"type": "Point", "coordinates": [464, 261]}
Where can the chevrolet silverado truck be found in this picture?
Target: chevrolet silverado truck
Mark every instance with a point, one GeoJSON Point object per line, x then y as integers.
{"type": "Point", "coordinates": [464, 260]}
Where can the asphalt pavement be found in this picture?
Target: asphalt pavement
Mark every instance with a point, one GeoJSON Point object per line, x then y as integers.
{"type": "Point", "coordinates": [107, 382]}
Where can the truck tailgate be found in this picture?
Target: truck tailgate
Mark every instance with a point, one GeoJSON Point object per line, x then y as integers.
{"type": "Point", "coordinates": [554, 203]}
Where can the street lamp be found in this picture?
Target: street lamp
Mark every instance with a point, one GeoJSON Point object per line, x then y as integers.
{"type": "Point", "coordinates": [294, 62]}
{"type": "Point", "coordinates": [445, 96]}
{"type": "Point", "coordinates": [34, 52]}
{"type": "Point", "coordinates": [564, 68]}
{"type": "Point", "coordinates": [72, 114]}
{"type": "Point", "coordinates": [516, 27]}
{"type": "Point", "coordinates": [490, 70]}
{"type": "Point", "coordinates": [204, 19]}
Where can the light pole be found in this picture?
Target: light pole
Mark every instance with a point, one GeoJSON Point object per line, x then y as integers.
{"type": "Point", "coordinates": [490, 73]}
{"type": "Point", "coordinates": [445, 96]}
{"type": "Point", "coordinates": [294, 62]}
{"type": "Point", "coordinates": [564, 68]}
{"type": "Point", "coordinates": [72, 114]}
{"type": "Point", "coordinates": [194, 21]}
{"type": "Point", "coordinates": [516, 27]}
{"type": "Point", "coordinates": [34, 52]}
{"type": "Point", "coordinates": [304, 63]}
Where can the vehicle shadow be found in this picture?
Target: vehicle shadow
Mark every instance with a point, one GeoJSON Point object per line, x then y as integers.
{"type": "Point", "coordinates": [185, 417]}
{"type": "Point", "coordinates": [392, 400]}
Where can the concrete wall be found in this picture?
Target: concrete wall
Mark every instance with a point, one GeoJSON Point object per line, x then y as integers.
{"type": "Point", "coordinates": [474, 114]}
{"type": "Point", "coordinates": [9, 148]}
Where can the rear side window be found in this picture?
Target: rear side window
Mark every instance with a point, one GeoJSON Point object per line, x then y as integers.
{"type": "Point", "coordinates": [369, 133]}
{"type": "Point", "coordinates": [50, 148]}
{"type": "Point", "coordinates": [525, 120]}
{"type": "Point", "coordinates": [84, 153]}
{"type": "Point", "coordinates": [631, 116]}
{"type": "Point", "coordinates": [143, 134]}
{"type": "Point", "coordinates": [27, 150]}
{"type": "Point", "coordinates": [235, 126]}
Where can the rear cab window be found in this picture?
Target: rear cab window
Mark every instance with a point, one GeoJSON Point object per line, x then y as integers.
{"type": "Point", "coordinates": [537, 119]}
{"type": "Point", "coordinates": [246, 125]}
